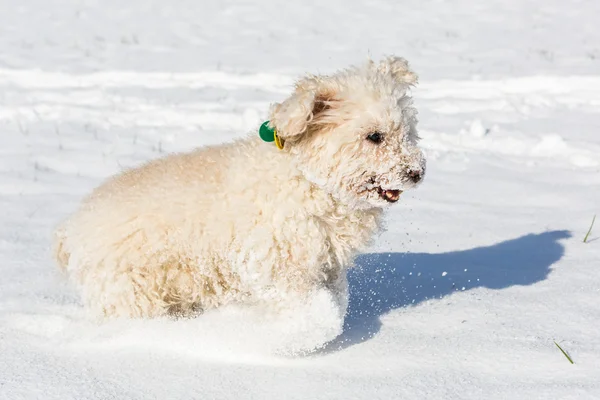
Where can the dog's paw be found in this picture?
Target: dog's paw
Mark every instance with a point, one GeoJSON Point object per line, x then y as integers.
{"type": "Point", "coordinates": [308, 324]}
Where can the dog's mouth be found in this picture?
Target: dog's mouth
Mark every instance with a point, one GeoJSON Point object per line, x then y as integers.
{"type": "Point", "coordinates": [391, 196]}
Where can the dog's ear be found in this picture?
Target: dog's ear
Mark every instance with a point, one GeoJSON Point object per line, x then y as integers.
{"type": "Point", "coordinates": [399, 69]}
{"type": "Point", "coordinates": [311, 100]}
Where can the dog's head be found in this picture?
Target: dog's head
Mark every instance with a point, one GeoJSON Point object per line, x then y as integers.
{"type": "Point", "coordinates": [354, 133]}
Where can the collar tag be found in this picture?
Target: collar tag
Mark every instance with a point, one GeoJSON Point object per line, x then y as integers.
{"type": "Point", "coordinates": [268, 134]}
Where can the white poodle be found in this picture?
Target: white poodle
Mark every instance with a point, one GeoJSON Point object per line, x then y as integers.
{"type": "Point", "coordinates": [251, 222]}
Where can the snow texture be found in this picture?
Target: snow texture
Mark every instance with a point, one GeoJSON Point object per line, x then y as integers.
{"type": "Point", "coordinates": [480, 270]}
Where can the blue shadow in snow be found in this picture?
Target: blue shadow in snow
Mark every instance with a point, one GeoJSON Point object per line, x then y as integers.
{"type": "Point", "coordinates": [382, 282]}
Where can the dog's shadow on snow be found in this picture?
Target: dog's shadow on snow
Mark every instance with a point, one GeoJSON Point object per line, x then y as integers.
{"type": "Point", "coordinates": [382, 282]}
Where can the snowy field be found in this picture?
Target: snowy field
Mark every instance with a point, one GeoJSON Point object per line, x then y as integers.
{"type": "Point", "coordinates": [480, 271]}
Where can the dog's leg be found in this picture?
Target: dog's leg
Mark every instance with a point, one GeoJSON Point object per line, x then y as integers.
{"type": "Point", "coordinates": [122, 295]}
{"type": "Point", "coordinates": [306, 322]}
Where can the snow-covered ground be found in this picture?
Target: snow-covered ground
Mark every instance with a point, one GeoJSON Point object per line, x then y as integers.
{"type": "Point", "coordinates": [479, 272]}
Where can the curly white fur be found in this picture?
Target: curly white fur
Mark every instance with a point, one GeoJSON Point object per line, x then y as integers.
{"type": "Point", "coordinates": [247, 223]}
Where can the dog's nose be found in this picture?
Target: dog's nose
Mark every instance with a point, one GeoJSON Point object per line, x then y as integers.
{"type": "Point", "coordinates": [415, 176]}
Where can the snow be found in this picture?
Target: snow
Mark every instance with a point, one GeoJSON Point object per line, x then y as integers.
{"type": "Point", "coordinates": [479, 272]}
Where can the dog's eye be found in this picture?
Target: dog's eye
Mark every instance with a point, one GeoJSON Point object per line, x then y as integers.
{"type": "Point", "coordinates": [375, 137]}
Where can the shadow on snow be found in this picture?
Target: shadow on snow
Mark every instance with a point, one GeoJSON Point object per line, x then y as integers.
{"type": "Point", "coordinates": [382, 282]}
